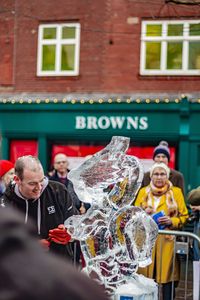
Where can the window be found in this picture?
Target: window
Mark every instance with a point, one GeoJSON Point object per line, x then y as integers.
{"type": "Point", "coordinates": [58, 49]}
{"type": "Point", "coordinates": [170, 48]}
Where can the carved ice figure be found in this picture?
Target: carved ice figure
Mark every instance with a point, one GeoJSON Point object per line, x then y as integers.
{"type": "Point", "coordinates": [115, 237]}
{"type": "Point", "coordinates": [101, 175]}
{"type": "Point", "coordinates": [133, 233]}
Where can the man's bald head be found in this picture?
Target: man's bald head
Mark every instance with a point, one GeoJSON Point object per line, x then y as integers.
{"type": "Point", "coordinates": [28, 162]}
{"type": "Point", "coordinates": [61, 163]}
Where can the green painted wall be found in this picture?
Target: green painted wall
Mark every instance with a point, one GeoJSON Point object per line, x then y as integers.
{"type": "Point", "coordinates": [144, 123]}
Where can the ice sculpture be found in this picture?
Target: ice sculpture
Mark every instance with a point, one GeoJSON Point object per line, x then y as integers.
{"type": "Point", "coordinates": [115, 236]}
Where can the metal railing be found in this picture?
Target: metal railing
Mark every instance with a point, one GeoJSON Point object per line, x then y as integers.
{"type": "Point", "coordinates": [181, 247]}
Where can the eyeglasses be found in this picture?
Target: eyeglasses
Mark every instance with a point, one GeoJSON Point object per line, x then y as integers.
{"type": "Point", "coordinates": [159, 174]}
{"type": "Point", "coordinates": [60, 162]}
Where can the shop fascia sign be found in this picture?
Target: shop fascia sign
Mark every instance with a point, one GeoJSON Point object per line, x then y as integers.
{"type": "Point", "coordinates": [112, 122]}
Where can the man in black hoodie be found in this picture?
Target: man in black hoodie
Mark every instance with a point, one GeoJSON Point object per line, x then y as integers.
{"type": "Point", "coordinates": [48, 204]}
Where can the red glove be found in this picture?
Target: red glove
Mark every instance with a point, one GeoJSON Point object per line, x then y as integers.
{"type": "Point", "coordinates": [59, 235]}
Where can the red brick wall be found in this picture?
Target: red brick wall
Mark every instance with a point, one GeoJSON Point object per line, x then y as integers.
{"type": "Point", "coordinates": [6, 42]}
{"type": "Point", "coordinates": [110, 46]}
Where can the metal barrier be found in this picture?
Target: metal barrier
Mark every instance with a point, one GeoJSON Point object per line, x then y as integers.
{"type": "Point", "coordinates": [182, 247]}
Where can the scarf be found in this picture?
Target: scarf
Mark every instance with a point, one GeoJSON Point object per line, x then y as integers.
{"type": "Point", "coordinates": [166, 195]}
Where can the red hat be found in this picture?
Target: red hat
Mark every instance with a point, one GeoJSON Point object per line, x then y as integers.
{"type": "Point", "coordinates": [5, 166]}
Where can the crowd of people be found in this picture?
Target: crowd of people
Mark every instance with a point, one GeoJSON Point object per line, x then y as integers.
{"type": "Point", "coordinates": [45, 202]}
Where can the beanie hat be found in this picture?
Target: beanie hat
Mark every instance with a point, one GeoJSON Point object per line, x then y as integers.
{"type": "Point", "coordinates": [160, 165]}
{"type": "Point", "coordinates": [5, 166]}
{"type": "Point", "coordinates": [194, 197]}
{"type": "Point", "coordinates": [162, 148]}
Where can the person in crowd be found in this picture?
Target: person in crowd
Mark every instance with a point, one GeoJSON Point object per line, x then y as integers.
{"type": "Point", "coordinates": [161, 153]}
{"type": "Point", "coordinates": [59, 173]}
{"type": "Point", "coordinates": [61, 170]}
{"type": "Point", "coordinates": [161, 196]}
{"type": "Point", "coordinates": [28, 272]}
{"type": "Point", "coordinates": [194, 201]}
{"type": "Point", "coordinates": [7, 173]}
{"type": "Point", "coordinates": [46, 202]}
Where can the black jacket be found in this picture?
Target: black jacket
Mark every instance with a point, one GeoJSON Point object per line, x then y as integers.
{"type": "Point", "coordinates": [70, 188]}
{"type": "Point", "coordinates": [56, 206]}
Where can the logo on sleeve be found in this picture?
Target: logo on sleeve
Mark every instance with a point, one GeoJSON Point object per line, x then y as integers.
{"type": "Point", "coordinates": [51, 210]}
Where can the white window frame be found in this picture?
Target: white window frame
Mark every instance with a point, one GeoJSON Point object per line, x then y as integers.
{"type": "Point", "coordinates": [58, 41]}
{"type": "Point", "coordinates": [164, 38]}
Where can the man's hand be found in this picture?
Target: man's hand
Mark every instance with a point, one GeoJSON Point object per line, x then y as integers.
{"type": "Point", "coordinates": [59, 235]}
{"type": "Point", "coordinates": [44, 243]}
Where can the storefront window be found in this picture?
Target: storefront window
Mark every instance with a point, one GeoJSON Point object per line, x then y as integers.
{"type": "Point", "coordinates": [77, 154]}
{"type": "Point", "coordinates": [23, 147]}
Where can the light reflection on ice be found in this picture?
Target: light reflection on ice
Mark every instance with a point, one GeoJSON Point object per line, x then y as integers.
{"type": "Point", "coordinates": [115, 237]}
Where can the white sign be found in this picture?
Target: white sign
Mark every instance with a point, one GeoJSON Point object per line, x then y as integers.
{"type": "Point", "coordinates": [114, 122]}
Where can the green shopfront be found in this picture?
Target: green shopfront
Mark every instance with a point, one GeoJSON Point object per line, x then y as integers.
{"type": "Point", "coordinates": [41, 127]}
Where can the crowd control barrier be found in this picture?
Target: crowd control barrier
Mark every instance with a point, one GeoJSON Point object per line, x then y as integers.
{"type": "Point", "coordinates": [189, 285]}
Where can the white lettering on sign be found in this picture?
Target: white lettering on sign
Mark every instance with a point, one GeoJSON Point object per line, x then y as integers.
{"type": "Point", "coordinates": [114, 122]}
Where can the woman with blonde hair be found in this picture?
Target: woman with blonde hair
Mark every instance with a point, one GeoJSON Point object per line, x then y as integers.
{"type": "Point", "coordinates": [160, 196]}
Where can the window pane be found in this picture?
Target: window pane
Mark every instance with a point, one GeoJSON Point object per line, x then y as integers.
{"type": "Point", "coordinates": [195, 29]}
{"type": "Point", "coordinates": [153, 51]}
{"type": "Point", "coordinates": [175, 30]}
{"type": "Point", "coordinates": [194, 55]}
{"type": "Point", "coordinates": [174, 56]}
{"type": "Point", "coordinates": [49, 33]}
{"type": "Point", "coordinates": [48, 57]}
{"type": "Point", "coordinates": [68, 56]}
{"type": "Point", "coordinates": [68, 32]}
{"type": "Point", "coordinates": [154, 30]}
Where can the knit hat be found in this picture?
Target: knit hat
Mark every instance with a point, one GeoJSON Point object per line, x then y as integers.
{"type": "Point", "coordinates": [5, 166]}
{"type": "Point", "coordinates": [194, 197]}
{"type": "Point", "coordinates": [162, 148]}
{"type": "Point", "coordinates": [160, 165]}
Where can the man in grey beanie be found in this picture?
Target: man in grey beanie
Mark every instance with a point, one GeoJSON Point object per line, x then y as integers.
{"type": "Point", "coordinates": [161, 153]}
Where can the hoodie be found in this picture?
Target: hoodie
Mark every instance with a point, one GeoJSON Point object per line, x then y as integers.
{"type": "Point", "coordinates": [52, 208]}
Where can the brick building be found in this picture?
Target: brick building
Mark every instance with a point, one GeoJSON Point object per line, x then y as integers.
{"type": "Point", "coordinates": [60, 60]}
{"type": "Point", "coordinates": [109, 58]}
